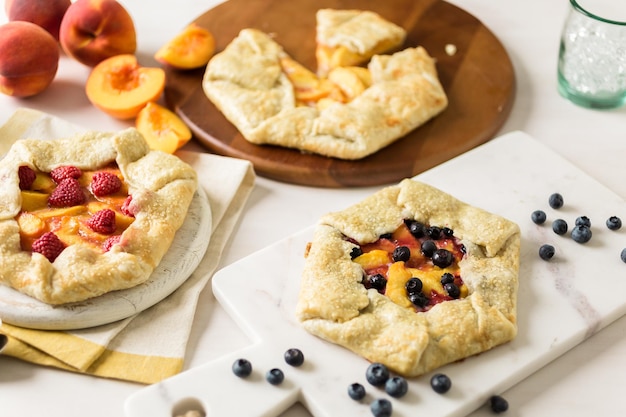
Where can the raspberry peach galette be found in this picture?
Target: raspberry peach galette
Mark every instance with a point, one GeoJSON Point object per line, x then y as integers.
{"type": "Point", "coordinates": [83, 216]}
{"type": "Point", "coordinates": [412, 278]}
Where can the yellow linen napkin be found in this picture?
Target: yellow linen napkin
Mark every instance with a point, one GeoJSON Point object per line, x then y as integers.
{"type": "Point", "coordinates": [149, 346]}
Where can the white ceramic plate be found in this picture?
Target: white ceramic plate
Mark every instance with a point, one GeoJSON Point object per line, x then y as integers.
{"type": "Point", "coordinates": [560, 302]}
{"type": "Point", "coordinates": [186, 252]}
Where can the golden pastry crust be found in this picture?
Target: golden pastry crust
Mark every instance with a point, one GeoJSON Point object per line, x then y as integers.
{"type": "Point", "coordinates": [352, 37]}
{"type": "Point", "coordinates": [247, 84]}
{"type": "Point", "coordinates": [161, 185]}
{"type": "Point", "coordinates": [334, 305]}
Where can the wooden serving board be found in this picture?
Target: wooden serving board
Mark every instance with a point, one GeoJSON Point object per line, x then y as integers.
{"type": "Point", "coordinates": [478, 79]}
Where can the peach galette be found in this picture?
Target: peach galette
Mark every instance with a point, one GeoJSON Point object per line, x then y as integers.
{"type": "Point", "coordinates": [342, 110]}
{"type": "Point", "coordinates": [86, 215]}
{"type": "Point", "coordinates": [413, 278]}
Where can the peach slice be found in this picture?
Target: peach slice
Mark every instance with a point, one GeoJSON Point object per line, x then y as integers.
{"type": "Point", "coordinates": [121, 87]}
{"type": "Point", "coordinates": [162, 128]}
{"type": "Point", "coordinates": [191, 48]}
{"type": "Point", "coordinates": [348, 81]}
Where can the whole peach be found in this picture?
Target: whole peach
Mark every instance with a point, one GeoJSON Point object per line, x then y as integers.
{"type": "Point", "coordinates": [94, 30]}
{"type": "Point", "coordinates": [45, 13]}
{"type": "Point", "coordinates": [29, 59]}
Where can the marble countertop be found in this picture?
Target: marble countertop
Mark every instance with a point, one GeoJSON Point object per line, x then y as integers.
{"type": "Point", "coordinates": [582, 382]}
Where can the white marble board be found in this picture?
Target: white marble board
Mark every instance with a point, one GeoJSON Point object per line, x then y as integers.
{"type": "Point", "coordinates": [561, 302]}
{"type": "Point", "coordinates": [186, 252]}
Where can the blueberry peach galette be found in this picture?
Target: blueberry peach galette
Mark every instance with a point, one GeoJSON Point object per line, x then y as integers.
{"type": "Point", "coordinates": [83, 216]}
{"type": "Point", "coordinates": [412, 278]}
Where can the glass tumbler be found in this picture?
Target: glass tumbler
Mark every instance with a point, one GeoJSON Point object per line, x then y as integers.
{"type": "Point", "coordinates": [592, 54]}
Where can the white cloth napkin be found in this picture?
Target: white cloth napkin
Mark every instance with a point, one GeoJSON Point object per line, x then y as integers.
{"type": "Point", "coordinates": [149, 346]}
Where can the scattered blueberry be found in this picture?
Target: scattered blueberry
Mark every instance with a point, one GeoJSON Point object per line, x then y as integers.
{"type": "Point", "coordinates": [614, 223]}
{"type": "Point", "coordinates": [377, 374]}
{"type": "Point", "coordinates": [387, 236]}
{"type": "Point", "coordinates": [414, 285]}
{"type": "Point", "coordinates": [401, 253]}
{"type": "Point", "coordinates": [356, 391]}
{"type": "Point", "coordinates": [546, 252]}
{"type": "Point", "coordinates": [428, 248]}
{"type": "Point", "coordinates": [446, 278]}
{"type": "Point", "coordinates": [559, 226]}
{"type": "Point", "coordinates": [396, 387]}
{"type": "Point", "coordinates": [440, 383]}
{"type": "Point", "coordinates": [623, 255]}
{"type": "Point", "coordinates": [447, 232]}
{"type": "Point", "coordinates": [443, 258]}
{"type": "Point", "coordinates": [294, 357]}
{"type": "Point", "coordinates": [452, 289]}
{"type": "Point", "coordinates": [381, 407]}
{"type": "Point", "coordinates": [583, 221]}
{"type": "Point", "coordinates": [498, 404]}
{"type": "Point", "coordinates": [581, 234]}
{"type": "Point", "coordinates": [355, 252]}
{"type": "Point", "coordinates": [556, 201]}
{"type": "Point", "coordinates": [538, 217]}
{"type": "Point", "coordinates": [242, 368]}
{"type": "Point", "coordinates": [275, 376]}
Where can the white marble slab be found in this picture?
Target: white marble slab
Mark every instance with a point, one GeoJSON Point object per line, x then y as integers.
{"type": "Point", "coordinates": [188, 248]}
{"type": "Point", "coordinates": [561, 302]}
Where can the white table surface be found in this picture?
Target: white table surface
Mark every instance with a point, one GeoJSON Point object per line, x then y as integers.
{"type": "Point", "coordinates": [588, 380]}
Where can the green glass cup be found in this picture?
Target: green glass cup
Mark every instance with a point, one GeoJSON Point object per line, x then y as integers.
{"type": "Point", "coordinates": [592, 54]}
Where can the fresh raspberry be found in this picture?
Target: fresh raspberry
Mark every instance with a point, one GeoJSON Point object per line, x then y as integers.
{"type": "Point", "coordinates": [63, 172]}
{"type": "Point", "coordinates": [105, 183]}
{"type": "Point", "coordinates": [127, 208]}
{"type": "Point", "coordinates": [102, 221]}
{"type": "Point", "coordinates": [49, 245]}
{"type": "Point", "coordinates": [27, 177]}
{"type": "Point", "coordinates": [113, 240]}
{"type": "Point", "coordinates": [68, 193]}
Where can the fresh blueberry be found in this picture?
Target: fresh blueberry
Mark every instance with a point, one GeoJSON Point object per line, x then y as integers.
{"type": "Point", "coordinates": [242, 368]}
{"type": "Point", "coordinates": [434, 232]}
{"type": "Point", "coordinates": [581, 234]}
{"type": "Point", "coordinates": [546, 252]}
{"type": "Point", "coordinates": [443, 258]}
{"type": "Point", "coordinates": [275, 376]}
{"type": "Point", "coordinates": [378, 282]}
{"type": "Point", "coordinates": [556, 201]}
{"type": "Point", "coordinates": [614, 223]}
{"type": "Point", "coordinates": [381, 407]}
{"type": "Point", "coordinates": [419, 299]}
{"type": "Point", "coordinates": [583, 221]}
{"type": "Point", "coordinates": [447, 232]}
{"type": "Point", "coordinates": [401, 254]}
{"type": "Point", "coordinates": [356, 391]}
{"type": "Point", "coordinates": [559, 226]}
{"type": "Point", "coordinates": [396, 387]}
{"type": "Point", "coordinates": [498, 404]}
{"type": "Point", "coordinates": [417, 229]}
{"type": "Point", "coordinates": [387, 236]}
{"type": "Point", "coordinates": [414, 285]}
{"type": "Point", "coordinates": [623, 255]}
{"type": "Point", "coordinates": [452, 289]}
{"type": "Point", "coordinates": [538, 217]}
{"type": "Point", "coordinates": [377, 374]}
{"type": "Point", "coordinates": [355, 252]}
{"type": "Point", "coordinates": [440, 383]}
{"type": "Point", "coordinates": [428, 247]}
{"type": "Point", "coordinates": [294, 357]}
{"type": "Point", "coordinates": [446, 278]}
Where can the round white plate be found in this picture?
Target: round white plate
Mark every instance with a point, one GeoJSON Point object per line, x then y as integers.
{"type": "Point", "coordinates": [186, 252]}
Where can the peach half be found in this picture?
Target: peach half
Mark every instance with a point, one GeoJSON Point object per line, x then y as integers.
{"type": "Point", "coordinates": [121, 87]}
{"type": "Point", "coordinates": [191, 48]}
{"type": "Point", "coordinates": [162, 128]}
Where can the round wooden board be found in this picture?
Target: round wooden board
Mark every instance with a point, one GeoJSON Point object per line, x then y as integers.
{"type": "Point", "coordinates": [478, 78]}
